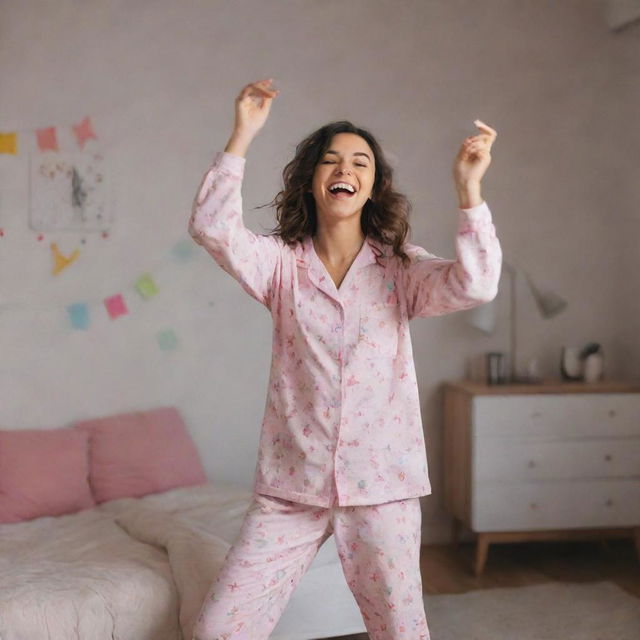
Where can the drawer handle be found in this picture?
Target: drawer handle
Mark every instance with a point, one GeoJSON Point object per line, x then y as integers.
{"type": "Point", "coordinates": [608, 456]}
{"type": "Point", "coordinates": [533, 505]}
{"type": "Point", "coordinates": [612, 413]}
{"type": "Point", "coordinates": [609, 502]}
{"type": "Point", "coordinates": [532, 464]}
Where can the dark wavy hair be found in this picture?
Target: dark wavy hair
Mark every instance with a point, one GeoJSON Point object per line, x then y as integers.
{"type": "Point", "coordinates": [385, 216]}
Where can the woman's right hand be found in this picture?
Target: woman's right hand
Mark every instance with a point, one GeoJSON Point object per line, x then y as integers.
{"type": "Point", "coordinates": [253, 105]}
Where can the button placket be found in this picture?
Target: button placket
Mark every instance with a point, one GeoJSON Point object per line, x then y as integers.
{"type": "Point", "coordinates": [342, 403]}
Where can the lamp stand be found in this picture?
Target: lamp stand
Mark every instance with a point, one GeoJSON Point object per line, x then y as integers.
{"type": "Point", "coordinates": [513, 330]}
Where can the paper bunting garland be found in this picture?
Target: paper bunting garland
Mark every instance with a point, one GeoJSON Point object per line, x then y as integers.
{"type": "Point", "coordinates": [47, 137]}
{"type": "Point", "coordinates": [116, 305]}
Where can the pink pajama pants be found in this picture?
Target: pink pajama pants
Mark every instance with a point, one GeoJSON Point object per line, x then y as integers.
{"type": "Point", "coordinates": [378, 545]}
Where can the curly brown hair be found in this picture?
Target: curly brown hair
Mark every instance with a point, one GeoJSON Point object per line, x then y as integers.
{"type": "Point", "coordinates": [385, 217]}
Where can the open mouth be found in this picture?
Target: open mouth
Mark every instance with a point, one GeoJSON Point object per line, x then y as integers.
{"type": "Point", "coordinates": [341, 193]}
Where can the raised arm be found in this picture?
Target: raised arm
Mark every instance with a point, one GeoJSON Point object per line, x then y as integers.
{"type": "Point", "coordinates": [435, 285]}
{"type": "Point", "coordinates": [216, 220]}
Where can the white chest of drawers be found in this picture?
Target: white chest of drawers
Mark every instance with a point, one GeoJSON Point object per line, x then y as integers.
{"type": "Point", "coordinates": [547, 461]}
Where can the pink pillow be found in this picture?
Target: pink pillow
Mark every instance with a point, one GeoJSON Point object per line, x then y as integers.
{"type": "Point", "coordinates": [43, 472]}
{"type": "Point", "coordinates": [134, 454]}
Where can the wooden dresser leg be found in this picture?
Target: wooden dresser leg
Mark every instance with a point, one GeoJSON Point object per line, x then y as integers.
{"type": "Point", "coordinates": [482, 549]}
{"type": "Point", "coordinates": [455, 533]}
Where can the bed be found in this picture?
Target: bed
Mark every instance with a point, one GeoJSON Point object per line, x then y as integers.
{"type": "Point", "coordinates": [135, 567]}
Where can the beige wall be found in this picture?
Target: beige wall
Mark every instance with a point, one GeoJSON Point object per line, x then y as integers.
{"type": "Point", "coordinates": [159, 79]}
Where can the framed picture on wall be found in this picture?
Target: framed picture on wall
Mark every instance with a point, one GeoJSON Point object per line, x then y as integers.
{"type": "Point", "coordinates": [69, 192]}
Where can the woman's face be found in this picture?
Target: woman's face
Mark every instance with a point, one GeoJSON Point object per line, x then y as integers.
{"type": "Point", "coordinates": [349, 159]}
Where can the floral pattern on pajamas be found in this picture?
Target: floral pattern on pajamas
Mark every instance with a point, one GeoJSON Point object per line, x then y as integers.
{"type": "Point", "coordinates": [342, 422]}
{"type": "Point", "coordinates": [378, 545]}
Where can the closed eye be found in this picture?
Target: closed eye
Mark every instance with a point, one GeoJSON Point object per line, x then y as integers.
{"type": "Point", "coordinates": [330, 162]}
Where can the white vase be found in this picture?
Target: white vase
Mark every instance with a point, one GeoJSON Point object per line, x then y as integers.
{"type": "Point", "coordinates": [593, 367]}
{"type": "Point", "coordinates": [571, 365]}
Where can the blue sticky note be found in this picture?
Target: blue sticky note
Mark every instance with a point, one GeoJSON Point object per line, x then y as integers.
{"type": "Point", "coordinates": [167, 339]}
{"type": "Point", "coordinates": [79, 315]}
{"type": "Point", "coordinates": [184, 249]}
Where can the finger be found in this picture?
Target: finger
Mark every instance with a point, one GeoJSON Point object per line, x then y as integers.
{"type": "Point", "coordinates": [483, 140]}
{"type": "Point", "coordinates": [265, 84]}
{"type": "Point", "coordinates": [485, 127]}
{"type": "Point", "coordinates": [268, 92]}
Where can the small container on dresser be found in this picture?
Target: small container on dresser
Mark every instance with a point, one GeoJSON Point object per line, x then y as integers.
{"type": "Point", "coordinates": [547, 461]}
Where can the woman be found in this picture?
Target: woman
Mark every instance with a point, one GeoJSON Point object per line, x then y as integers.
{"type": "Point", "coordinates": [342, 448]}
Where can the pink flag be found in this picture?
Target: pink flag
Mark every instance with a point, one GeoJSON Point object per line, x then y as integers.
{"type": "Point", "coordinates": [116, 306]}
{"type": "Point", "coordinates": [84, 131]}
{"type": "Point", "coordinates": [47, 139]}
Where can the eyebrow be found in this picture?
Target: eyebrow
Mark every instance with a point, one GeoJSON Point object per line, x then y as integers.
{"type": "Point", "coordinates": [357, 153]}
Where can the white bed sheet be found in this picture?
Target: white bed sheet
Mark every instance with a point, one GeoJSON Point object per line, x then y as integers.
{"type": "Point", "coordinates": [139, 569]}
{"type": "Point", "coordinates": [79, 577]}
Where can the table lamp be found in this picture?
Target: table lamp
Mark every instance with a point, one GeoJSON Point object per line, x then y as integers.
{"type": "Point", "coordinates": [483, 317]}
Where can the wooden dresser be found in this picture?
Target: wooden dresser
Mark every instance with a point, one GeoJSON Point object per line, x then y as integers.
{"type": "Point", "coordinates": [544, 461]}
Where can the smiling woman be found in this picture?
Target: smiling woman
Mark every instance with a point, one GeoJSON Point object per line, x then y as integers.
{"type": "Point", "coordinates": [342, 446]}
{"type": "Point", "coordinates": [341, 152]}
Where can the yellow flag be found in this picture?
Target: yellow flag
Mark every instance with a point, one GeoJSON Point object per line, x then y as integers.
{"type": "Point", "coordinates": [9, 143]}
{"type": "Point", "coordinates": [61, 261]}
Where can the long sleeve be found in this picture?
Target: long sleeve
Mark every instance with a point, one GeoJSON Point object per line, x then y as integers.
{"type": "Point", "coordinates": [216, 223]}
{"type": "Point", "coordinates": [436, 286]}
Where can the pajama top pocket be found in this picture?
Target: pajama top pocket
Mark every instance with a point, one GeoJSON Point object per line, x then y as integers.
{"type": "Point", "coordinates": [379, 325]}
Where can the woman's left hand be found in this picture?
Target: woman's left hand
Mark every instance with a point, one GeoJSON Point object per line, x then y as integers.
{"type": "Point", "coordinates": [474, 156]}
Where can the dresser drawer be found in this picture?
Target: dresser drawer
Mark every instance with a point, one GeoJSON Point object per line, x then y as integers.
{"type": "Point", "coordinates": [524, 460]}
{"type": "Point", "coordinates": [557, 415]}
{"type": "Point", "coordinates": [555, 505]}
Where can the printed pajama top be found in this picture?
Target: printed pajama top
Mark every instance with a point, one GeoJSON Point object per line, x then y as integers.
{"type": "Point", "coordinates": [342, 422]}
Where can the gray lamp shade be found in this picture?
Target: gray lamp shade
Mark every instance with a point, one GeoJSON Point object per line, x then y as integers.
{"type": "Point", "coordinates": [484, 317]}
{"type": "Point", "coordinates": [549, 303]}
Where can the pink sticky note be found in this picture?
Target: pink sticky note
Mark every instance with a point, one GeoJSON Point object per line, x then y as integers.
{"type": "Point", "coordinates": [116, 306]}
{"type": "Point", "coordinates": [47, 139]}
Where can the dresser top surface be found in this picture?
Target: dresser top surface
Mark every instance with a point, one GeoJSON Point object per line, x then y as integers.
{"type": "Point", "coordinates": [545, 386]}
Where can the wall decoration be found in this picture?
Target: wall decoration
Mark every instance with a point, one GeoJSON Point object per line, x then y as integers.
{"type": "Point", "coordinates": [60, 261]}
{"type": "Point", "coordinates": [69, 189]}
{"type": "Point", "coordinates": [146, 286]}
{"type": "Point", "coordinates": [9, 143]}
{"type": "Point", "coordinates": [167, 340]}
{"type": "Point", "coordinates": [68, 192]}
{"type": "Point", "coordinates": [115, 306]}
{"type": "Point", "coordinates": [47, 137]}
{"type": "Point", "coordinates": [79, 315]}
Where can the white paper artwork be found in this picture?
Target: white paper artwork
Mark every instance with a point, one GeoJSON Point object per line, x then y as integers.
{"type": "Point", "coordinates": [68, 192]}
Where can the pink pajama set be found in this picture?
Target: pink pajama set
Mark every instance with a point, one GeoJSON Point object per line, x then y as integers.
{"type": "Point", "coordinates": [342, 447]}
